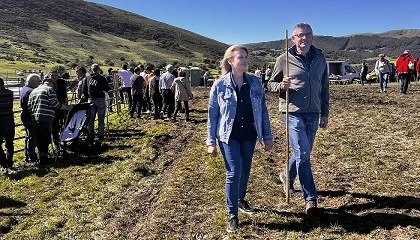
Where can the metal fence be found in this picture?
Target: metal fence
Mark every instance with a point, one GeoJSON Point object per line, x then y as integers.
{"type": "Point", "coordinates": [16, 85]}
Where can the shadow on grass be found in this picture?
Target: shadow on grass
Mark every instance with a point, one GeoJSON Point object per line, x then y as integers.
{"type": "Point", "coordinates": [378, 212]}
{"type": "Point", "coordinates": [80, 156]}
{"type": "Point", "coordinates": [6, 202]}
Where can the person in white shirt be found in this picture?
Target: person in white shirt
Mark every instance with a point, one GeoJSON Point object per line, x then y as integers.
{"type": "Point", "coordinates": [168, 96]}
{"type": "Point", "coordinates": [125, 76]}
{"type": "Point", "coordinates": [258, 73]}
{"type": "Point", "coordinates": [382, 70]}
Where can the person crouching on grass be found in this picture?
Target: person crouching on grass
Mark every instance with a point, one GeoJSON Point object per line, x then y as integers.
{"type": "Point", "coordinates": [237, 117]}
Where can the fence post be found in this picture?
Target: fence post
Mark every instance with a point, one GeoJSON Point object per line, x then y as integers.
{"type": "Point", "coordinates": [116, 95]}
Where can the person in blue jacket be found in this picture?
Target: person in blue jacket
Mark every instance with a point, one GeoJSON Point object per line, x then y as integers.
{"type": "Point", "coordinates": [237, 117]}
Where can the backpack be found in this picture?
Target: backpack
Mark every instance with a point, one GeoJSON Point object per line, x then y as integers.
{"type": "Point", "coordinates": [411, 65]}
{"type": "Point", "coordinates": [92, 86]}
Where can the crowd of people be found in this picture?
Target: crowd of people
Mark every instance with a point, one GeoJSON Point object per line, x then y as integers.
{"type": "Point", "coordinates": [45, 105]}
{"type": "Point", "coordinates": [405, 70]}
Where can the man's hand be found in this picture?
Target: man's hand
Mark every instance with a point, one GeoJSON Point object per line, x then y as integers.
{"type": "Point", "coordinates": [323, 122]}
{"type": "Point", "coordinates": [212, 150]}
{"type": "Point", "coordinates": [285, 84]}
{"type": "Point", "coordinates": [66, 107]}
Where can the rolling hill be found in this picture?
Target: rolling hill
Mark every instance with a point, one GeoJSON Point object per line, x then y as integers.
{"type": "Point", "coordinates": [354, 48]}
{"type": "Point", "coordinates": [41, 34]}
{"type": "Point", "coordinates": [78, 32]}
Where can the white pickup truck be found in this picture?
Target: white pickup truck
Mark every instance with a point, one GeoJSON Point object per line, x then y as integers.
{"type": "Point", "coordinates": [342, 72]}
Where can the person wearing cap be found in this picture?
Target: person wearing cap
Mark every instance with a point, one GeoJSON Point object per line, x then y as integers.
{"type": "Point", "coordinates": [32, 82]}
{"type": "Point", "coordinates": [403, 70]}
{"type": "Point", "coordinates": [382, 70]}
{"type": "Point", "coordinates": [168, 96]}
{"type": "Point", "coordinates": [42, 104]}
{"type": "Point", "coordinates": [125, 76]}
{"type": "Point", "coordinates": [94, 88]}
{"type": "Point", "coordinates": [7, 126]}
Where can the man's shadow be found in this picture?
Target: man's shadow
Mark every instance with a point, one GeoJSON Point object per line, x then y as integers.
{"type": "Point", "coordinates": [375, 212]}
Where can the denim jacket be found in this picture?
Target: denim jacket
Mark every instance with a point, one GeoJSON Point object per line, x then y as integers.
{"type": "Point", "coordinates": [222, 109]}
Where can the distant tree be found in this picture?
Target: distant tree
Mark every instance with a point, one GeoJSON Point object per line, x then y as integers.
{"type": "Point", "coordinates": [60, 69]}
{"type": "Point", "coordinates": [206, 60]}
{"type": "Point", "coordinates": [122, 59]}
{"type": "Point", "coordinates": [74, 65]}
{"type": "Point", "coordinates": [132, 64]}
{"type": "Point", "coordinates": [91, 57]}
{"type": "Point", "coordinates": [89, 61]}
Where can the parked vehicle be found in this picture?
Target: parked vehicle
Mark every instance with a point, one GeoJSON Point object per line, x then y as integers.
{"type": "Point", "coordinates": [341, 71]}
{"type": "Point", "coordinates": [372, 76]}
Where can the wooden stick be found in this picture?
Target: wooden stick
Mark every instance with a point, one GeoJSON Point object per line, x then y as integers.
{"type": "Point", "coordinates": [287, 123]}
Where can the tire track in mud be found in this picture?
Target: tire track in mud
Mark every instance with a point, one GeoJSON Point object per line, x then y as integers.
{"type": "Point", "coordinates": [145, 199]}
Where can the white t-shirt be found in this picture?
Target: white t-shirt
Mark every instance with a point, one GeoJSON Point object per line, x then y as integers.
{"type": "Point", "coordinates": [258, 73]}
{"type": "Point", "coordinates": [125, 76]}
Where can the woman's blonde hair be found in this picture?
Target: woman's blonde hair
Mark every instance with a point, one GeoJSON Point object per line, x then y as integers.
{"type": "Point", "coordinates": [224, 64]}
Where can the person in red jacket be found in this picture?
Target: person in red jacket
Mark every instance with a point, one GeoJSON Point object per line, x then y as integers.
{"type": "Point", "coordinates": [403, 65]}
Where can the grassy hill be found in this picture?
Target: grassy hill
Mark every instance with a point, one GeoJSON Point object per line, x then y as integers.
{"type": "Point", "coordinates": [71, 32]}
{"type": "Point", "coordinates": [41, 34]}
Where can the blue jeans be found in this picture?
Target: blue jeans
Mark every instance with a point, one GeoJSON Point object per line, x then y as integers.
{"type": "Point", "coordinates": [30, 142]}
{"type": "Point", "coordinates": [98, 105]}
{"type": "Point", "coordinates": [238, 160]}
{"type": "Point", "coordinates": [302, 131]}
{"type": "Point", "coordinates": [383, 81]}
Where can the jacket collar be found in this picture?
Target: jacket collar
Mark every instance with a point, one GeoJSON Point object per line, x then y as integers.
{"type": "Point", "coordinates": [228, 80]}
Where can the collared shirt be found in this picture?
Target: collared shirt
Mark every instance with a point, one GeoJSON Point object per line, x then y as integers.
{"type": "Point", "coordinates": [166, 80]}
{"type": "Point", "coordinates": [42, 103]}
{"type": "Point", "coordinates": [243, 125]}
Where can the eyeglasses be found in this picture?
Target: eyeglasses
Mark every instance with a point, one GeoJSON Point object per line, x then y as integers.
{"type": "Point", "coordinates": [307, 35]}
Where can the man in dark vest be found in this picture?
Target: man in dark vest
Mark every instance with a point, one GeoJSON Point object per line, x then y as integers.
{"type": "Point", "coordinates": [32, 82]}
{"type": "Point", "coordinates": [7, 126]}
{"type": "Point", "coordinates": [94, 88]}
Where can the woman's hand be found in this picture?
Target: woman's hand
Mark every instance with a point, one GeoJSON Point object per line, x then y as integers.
{"type": "Point", "coordinates": [212, 150]}
{"type": "Point", "coordinates": [268, 145]}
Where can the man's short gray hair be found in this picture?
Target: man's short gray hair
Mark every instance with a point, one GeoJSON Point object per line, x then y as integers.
{"type": "Point", "coordinates": [302, 25]}
{"type": "Point", "coordinates": [95, 68]}
{"type": "Point", "coordinates": [32, 79]}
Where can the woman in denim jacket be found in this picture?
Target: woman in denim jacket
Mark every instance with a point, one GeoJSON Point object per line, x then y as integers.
{"type": "Point", "coordinates": [238, 116]}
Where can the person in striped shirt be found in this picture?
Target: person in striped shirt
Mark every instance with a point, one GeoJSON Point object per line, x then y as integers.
{"type": "Point", "coordinates": [42, 104]}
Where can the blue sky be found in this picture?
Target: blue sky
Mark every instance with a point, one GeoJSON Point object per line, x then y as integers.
{"type": "Point", "coordinates": [246, 21]}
